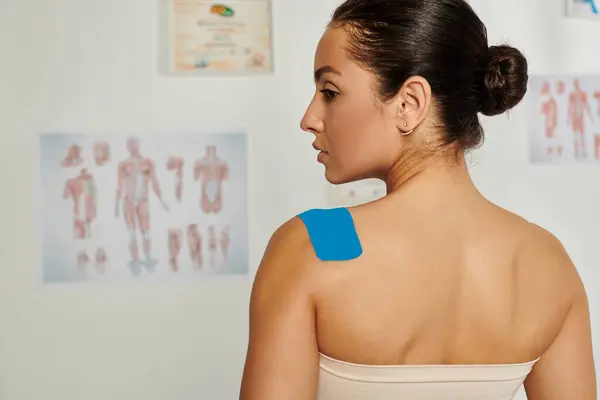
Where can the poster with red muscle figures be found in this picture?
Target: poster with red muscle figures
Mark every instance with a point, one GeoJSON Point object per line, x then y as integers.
{"type": "Point", "coordinates": [148, 208]}
{"type": "Point", "coordinates": [564, 123]}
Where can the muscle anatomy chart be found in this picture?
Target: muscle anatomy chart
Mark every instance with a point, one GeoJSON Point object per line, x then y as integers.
{"type": "Point", "coordinates": [175, 164]}
{"type": "Point", "coordinates": [564, 123]}
{"type": "Point", "coordinates": [81, 190]}
{"type": "Point", "coordinates": [211, 171]}
{"type": "Point", "coordinates": [135, 207]}
{"type": "Point", "coordinates": [135, 176]}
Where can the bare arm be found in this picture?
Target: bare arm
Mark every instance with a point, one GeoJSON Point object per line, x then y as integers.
{"type": "Point", "coordinates": [282, 360]}
{"type": "Point", "coordinates": [566, 369]}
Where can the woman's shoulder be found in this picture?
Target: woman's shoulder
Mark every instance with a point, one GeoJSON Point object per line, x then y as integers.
{"type": "Point", "coordinates": [317, 234]}
{"type": "Point", "coordinates": [548, 274]}
{"type": "Point", "coordinates": [289, 241]}
{"type": "Point", "coordinates": [299, 246]}
{"type": "Point", "coordinates": [543, 249]}
{"type": "Point", "coordinates": [538, 253]}
{"type": "Point", "coordinates": [288, 268]}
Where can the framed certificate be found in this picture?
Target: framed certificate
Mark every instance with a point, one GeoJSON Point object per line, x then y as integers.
{"type": "Point", "coordinates": [232, 37]}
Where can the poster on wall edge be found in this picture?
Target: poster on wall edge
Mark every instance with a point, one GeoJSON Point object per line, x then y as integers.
{"type": "Point", "coordinates": [564, 119]}
{"type": "Point", "coordinates": [587, 9]}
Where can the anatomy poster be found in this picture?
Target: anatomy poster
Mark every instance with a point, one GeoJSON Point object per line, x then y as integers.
{"type": "Point", "coordinates": [149, 207]}
{"type": "Point", "coordinates": [583, 8]}
{"type": "Point", "coordinates": [564, 123]}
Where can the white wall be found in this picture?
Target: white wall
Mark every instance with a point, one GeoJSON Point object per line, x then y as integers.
{"type": "Point", "coordinates": [73, 65]}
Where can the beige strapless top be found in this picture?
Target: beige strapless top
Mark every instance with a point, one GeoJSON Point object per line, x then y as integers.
{"type": "Point", "coordinates": [340, 380]}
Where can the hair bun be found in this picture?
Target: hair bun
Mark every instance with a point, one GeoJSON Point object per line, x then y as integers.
{"type": "Point", "coordinates": [505, 80]}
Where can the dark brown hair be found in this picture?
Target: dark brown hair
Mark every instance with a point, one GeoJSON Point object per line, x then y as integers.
{"type": "Point", "coordinates": [445, 42]}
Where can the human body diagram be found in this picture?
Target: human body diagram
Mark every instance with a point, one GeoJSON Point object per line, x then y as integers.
{"type": "Point", "coordinates": [101, 152]}
{"type": "Point", "coordinates": [194, 240]}
{"type": "Point", "coordinates": [175, 164]}
{"type": "Point", "coordinates": [211, 171]}
{"type": "Point", "coordinates": [578, 108]}
{"type": "Point", "coordinates": [175, 237]}
{"type": "Point", "coordinates": [550, 110]}
{"type": "Point", "coordinates": [569, 113]}
{"type": "Point", "coordinates": [82, 191]}
{"type": "Point", "coordinates": [182, 235]}
{"type": "Point", "coordinates": [73, 158]}
{"type": "Point", "coordinates": [137, 178]}
{"type": "Point", "coordinates": [136, 175]}
{"type": "Point", "coordinates": [206, 245]}
{"type": "Point", "coordinates": [216, 246]}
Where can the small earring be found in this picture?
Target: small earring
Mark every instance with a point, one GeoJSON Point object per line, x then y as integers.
{"type": "Point", "coordinates": [407, 132]}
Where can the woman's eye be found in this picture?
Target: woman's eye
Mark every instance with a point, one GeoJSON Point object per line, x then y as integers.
{"type": "Point", "coordinates": [329, 94]}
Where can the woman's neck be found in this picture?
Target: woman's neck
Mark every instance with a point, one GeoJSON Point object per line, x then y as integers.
{"type": "Point", "coordinates": [433, 176]}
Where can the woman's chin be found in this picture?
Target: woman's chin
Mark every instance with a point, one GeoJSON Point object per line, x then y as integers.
{"type": "Point", "coordinates": [335, 178]}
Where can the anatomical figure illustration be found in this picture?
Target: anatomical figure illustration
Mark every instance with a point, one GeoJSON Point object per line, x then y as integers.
{"type": "Point", "coordinates": [578, 106]}
{"type": "Point", "coordinates": [135, 175]}
{"type": "Point", "coordinates": [212, 245]}
{"type": "Point", "coordinates": [225, 241]}
{"type": "Point", "coordinates": [176, 164]}
{"type": "Point", "coordinates": [82, 261]}
{"type": "Point", "coordinates": [550, 111]}
{"type": "Point", "coordinates": [195, 245]}
{"type": "Point", "coordinates": [597, 97]}
{"type": "Point", "coordinates": [101, 153]}
{"type": "Point", "coordinates": [82, 191]}
{"type": "Point", "coordinates": [73, 158]}
{"type": "Point", "coordinates": [175, 236]}
{"type": "Point", "coordinates": [101, 260]}
{"type": "Point", "coordinates": [560, 87]}
{"type": "Point", "coordinates": [211, 171]}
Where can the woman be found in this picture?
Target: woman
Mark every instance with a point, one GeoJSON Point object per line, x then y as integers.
{"type": "Point", "coordinates": [431, 292]}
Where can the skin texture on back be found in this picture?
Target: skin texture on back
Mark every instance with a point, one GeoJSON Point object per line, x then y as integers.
{"type": "Point", "coordinates": [445, 277]}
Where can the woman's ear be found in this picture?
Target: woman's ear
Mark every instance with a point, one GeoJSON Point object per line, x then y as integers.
{"type": "Point", "coordinates": [413, 102]}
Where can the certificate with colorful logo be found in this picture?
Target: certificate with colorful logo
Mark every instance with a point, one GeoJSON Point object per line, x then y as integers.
{"type": "Point", "coordinates": [230, 37]}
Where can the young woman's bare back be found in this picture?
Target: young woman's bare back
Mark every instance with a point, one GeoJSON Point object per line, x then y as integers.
{"type": "Point", "coordinates": [445, 277]}
{"type": "Point", "coordinates": [444, 283]}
